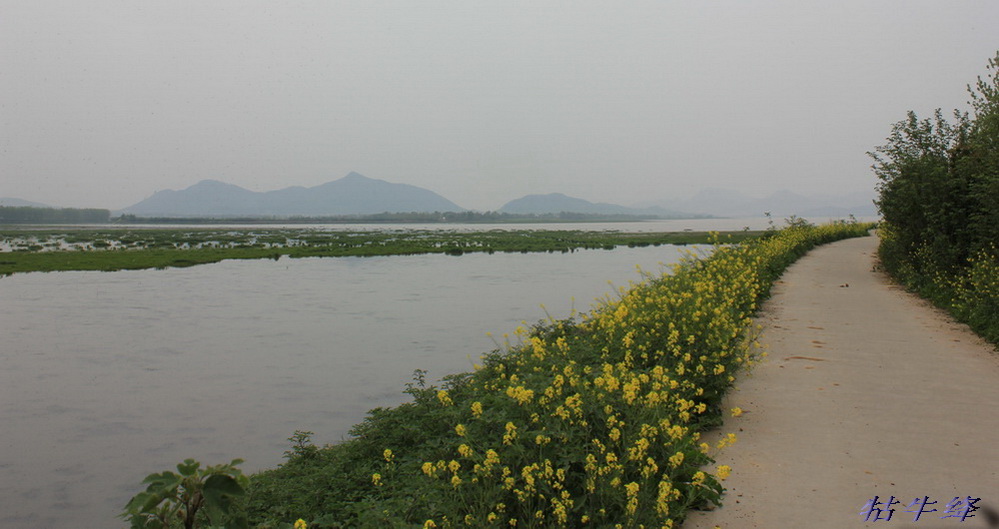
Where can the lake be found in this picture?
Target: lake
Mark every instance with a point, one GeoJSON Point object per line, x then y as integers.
{"type": "Point", "coordinates": [108, 377]}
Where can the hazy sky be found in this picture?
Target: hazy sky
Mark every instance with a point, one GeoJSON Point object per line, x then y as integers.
{"type": "Point", "coordinates": [104, 102]}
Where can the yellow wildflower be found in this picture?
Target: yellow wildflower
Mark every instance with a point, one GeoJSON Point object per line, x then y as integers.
{"type": "Point", "coordinates": [511, 433]}
{"type": "Point", "coordinates": [631, 491]}
{"type": "Point", "coordinates": [729, 440]}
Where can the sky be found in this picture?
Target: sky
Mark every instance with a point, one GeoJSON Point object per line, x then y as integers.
{"type": "Point", "coordinates": [104, 102]}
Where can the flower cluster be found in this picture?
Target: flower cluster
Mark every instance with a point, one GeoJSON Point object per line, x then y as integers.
{"type": "Point", "coordinates": [595, 421]}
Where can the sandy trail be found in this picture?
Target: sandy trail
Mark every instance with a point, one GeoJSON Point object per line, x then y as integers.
{"type": "Point", "coordinates": [867, 390]}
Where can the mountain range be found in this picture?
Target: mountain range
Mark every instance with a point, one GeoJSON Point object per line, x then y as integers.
{"type": "Point", "coordinates": [356, 194]}
{"type": "Point", "coordinates": [554, 203]}
{"type": "Point", "coordinates": [18, 203]}
{"type": "Point", "coordinates": [353, 194]}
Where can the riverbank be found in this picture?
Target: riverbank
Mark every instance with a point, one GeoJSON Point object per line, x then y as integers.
{"type": "Point", "coordinates": [591, 422]}
{"type": "Point", "coordinates": [867, 391]}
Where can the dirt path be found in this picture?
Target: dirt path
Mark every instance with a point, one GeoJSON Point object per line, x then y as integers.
{"type": "Point", "coordinates": [867, 391]}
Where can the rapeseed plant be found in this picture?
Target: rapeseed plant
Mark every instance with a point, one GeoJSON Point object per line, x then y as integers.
{"type": "Point", "coordinates": [589, 421]}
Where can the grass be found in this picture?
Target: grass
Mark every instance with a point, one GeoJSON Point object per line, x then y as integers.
{"type": "Point", "coordinates": [136, 249]}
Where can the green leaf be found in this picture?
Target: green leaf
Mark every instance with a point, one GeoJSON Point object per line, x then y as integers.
{"type": "Point", "coordinates": [219, 484]}
{"type": "Point", "coordinates": [188, 467]}
{"type": "Point", "coordinates": [219, 491]}
{"type": "Point", "coordinates": [164, 477]}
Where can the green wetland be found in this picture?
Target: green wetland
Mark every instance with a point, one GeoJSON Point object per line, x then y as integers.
{"type": "Point", "coordinates": [48, 250]}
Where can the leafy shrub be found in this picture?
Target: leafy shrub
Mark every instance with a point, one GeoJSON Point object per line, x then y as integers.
{"type": "Point", "coordinates": [939, 197]}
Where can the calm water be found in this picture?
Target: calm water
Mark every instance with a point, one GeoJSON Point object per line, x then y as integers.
{"type": "Point", "coordinates": [107, 377]}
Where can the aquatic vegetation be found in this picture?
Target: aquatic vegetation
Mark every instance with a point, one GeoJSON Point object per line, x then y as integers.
{"type": "Point", "coordinates": [136, 249]}
{"type": "Point", "coordinates": [594, 420]}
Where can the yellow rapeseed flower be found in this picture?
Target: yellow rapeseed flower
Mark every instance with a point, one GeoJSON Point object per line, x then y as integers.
{"type": "Point", "coordinates": [511, 433]}
{"type": "Point", "coordinates": [729, 440]}
{"type": "Point", "coordinates": [300, 524]}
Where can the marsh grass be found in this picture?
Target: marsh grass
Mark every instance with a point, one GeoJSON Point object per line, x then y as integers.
{"type": "Point", "coordinates": [109, 250]}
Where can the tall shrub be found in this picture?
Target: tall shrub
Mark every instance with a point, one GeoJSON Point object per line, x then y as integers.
{"type": "Point", "coordinates": [938, 182]}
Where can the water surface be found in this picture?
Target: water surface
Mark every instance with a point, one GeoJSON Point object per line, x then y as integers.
{"type": "Point", "coordinates": [107, 377]}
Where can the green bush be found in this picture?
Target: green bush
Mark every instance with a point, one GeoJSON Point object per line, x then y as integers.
{"type": "Point", "coordinates": [939, 198]}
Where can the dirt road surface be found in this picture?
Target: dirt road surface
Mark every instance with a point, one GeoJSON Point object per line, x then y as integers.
{"type": "Point", "coordinates": [866, 391]}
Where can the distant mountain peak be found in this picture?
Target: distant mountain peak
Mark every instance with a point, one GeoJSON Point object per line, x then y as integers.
{"type": "Point", "coordinates": [554, 203]}
{"type": "Point", "coordinates": [354, 194]}
{"type": "Point", "coordinates": [20, 203]}
{"type": "Point", "coordinates": [212, 183]}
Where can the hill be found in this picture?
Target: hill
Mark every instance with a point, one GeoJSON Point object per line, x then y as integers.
{"type": "Point", "coordinates": [19, 203]}
{"type": "Point", "coordinates": [353, 194]}
{"type": "Point", "coordinates": [554, 203]}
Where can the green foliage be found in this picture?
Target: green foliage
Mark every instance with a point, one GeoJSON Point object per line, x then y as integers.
{"type": "Point", "coordinates": [594, 421]}
{"type": "Point", "coordinates": [939, 198]}
{"type": "Point", "coordinates": [190, 497]}
{"type": "Point", "coordinates": [135, 249]}
{"type": "Point", "coordinates": [585, 422]}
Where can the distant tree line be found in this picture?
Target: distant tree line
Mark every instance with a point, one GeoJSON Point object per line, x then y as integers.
{"type": "Point", "coordinates": [35, 215]}
{"type": "Point", "coordinates": [414, 217]}
{"type": "Point", "coordinates": [939, 198]}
